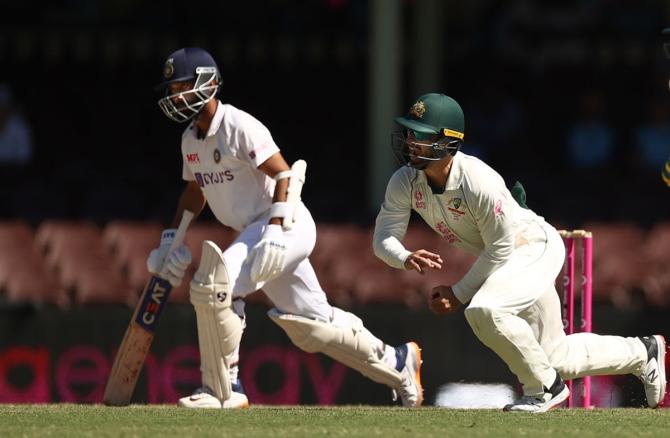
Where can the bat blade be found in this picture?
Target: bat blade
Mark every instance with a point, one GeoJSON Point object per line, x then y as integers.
{"type": "Point", "coordinates": [141, 331]}
{"type": "Point", "coordinates": [136, 343]}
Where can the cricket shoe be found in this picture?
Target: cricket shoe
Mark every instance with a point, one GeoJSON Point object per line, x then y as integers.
{"type": "Point", "coordinates": [203, 398]}
{"type": "Point", "coordinates": [653, 372]}
{"type": "Point", "coordinates": [238, 399]}
{"type": "Point", "coordinates": [551, 399]}
{"type": "Point", "coordinates": [410, 391]}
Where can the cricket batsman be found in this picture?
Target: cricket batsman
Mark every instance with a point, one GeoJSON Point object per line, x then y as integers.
{"type": "Point", "coordinates": [231, 162]}
{"type": "Point", "coordinates": [509, 294]}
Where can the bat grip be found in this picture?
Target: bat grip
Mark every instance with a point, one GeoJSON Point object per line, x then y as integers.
{"type": "Point", "coordinates": [186, 218]}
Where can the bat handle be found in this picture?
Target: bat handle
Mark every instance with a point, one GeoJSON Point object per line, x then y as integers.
{"type": "Point", "coordinates": [186, 218]}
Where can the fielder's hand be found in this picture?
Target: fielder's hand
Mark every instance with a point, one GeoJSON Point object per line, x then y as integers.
{"type": "Point", "coordinates": [443, 301]}
{"type": "Point", "coordinates": [268, 256]}
{"type": "Point", "coordinates": [171, 266]}
{"type": "Point", "coordinates": [421, 259]}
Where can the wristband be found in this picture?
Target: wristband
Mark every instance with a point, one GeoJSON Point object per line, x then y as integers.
{"type": "Point", "coordinates": [280, 209]}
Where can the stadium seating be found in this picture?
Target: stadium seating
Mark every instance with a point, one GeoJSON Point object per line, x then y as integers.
{"type": "Point", "coordinates": [75, 252]}
{"type": "Point", "coordinates": [618, 266]}
{"type": "Point", "coordinates": [23, 274]}
{"type": "Point", "coordinates": [130, 242]}
{"type": "Point", "coordinates": [656, 283]}
{"type": "Point", "coordinates": [66, 263]}
{"type": "Point", "coordinates": [335, 258]}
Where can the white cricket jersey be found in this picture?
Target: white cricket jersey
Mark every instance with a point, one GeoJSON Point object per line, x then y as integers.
{"type": "Point", "coordinates": [475, 213]}
{"type": "Point", "coordinates": [225, 165]}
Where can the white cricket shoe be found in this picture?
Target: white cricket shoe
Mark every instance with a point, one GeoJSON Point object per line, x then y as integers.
{"type": "Point", "coordinates": [410, 390]}
{"type": "Point", "coordinates": [653, 373]}
{"type": "Point", "coordinates": [237, 400]}
{"type": "Point", "coordinates": [203, 398]}
{"type": "Point", "coordinates": [551, 399]}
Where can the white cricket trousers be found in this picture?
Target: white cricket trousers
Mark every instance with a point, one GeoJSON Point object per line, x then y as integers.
{"type": "Point", "coordinates": [517, 314]}
{"type": "Point", "coordinates": [296, 290]}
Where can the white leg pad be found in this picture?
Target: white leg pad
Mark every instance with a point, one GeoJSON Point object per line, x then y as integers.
{"type": "Point", "coordinates": [346, 344]}
{"type": "Point", "coordinates": [219, 328]}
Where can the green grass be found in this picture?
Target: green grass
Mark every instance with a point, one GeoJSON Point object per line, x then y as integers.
{"type": "Point", "coordinates": [64, 420]}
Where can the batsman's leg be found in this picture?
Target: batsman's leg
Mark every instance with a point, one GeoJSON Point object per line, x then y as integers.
{"type": "Point", "coordinates": [346, 340]}
{"type": "Point", "coordinates": [219, 329]}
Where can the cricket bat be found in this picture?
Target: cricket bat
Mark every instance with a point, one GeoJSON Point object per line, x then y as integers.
{"type": "Point", "coordinates": [141, 331]}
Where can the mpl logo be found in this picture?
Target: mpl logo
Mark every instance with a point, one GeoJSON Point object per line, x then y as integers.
{"type": "Point", "coordinates": [206, 178]}
{"type": "Point", "coordinates": [153, 303]}
{"type": "Point", "coordinates": [192, 158]}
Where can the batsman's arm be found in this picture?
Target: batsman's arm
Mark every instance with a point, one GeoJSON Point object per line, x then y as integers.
{"type": "Point", "coordinates": [272, 167]}
{"type": "Point", "coordinates": [192, 200]}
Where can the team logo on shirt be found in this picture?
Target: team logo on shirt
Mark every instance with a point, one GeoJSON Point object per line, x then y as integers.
{"type": "Point", "coordinates": [454, 205]}
{"type": "Point", "coordinates": [217, 156]}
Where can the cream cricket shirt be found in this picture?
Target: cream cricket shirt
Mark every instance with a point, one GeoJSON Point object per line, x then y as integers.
{"type": "Point", "coordinates": [476, 213]}
{"type": "Point", "coordinates": [224, 164]}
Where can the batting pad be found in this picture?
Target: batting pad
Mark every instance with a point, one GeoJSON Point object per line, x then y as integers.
{"type": "Point", "coordinates": [219, 328]}
{"type": "Point", "coordinates": [348, 345]}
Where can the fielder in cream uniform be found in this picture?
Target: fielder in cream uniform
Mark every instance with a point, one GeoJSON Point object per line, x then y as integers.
{"type": "Point", "coordinates": [232, 163]}
{"type": "Point", "coordinates": [512, 305]}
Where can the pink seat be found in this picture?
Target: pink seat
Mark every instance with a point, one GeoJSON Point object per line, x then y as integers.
{"type": "Point", "coordinates": [15, 234]}
{"type": "Point", "coordinates": [656, 284]}
{"type": "Point", "coordinates": [618, 267]}
{"type": "Point", "coordinates": [23, 273]}
{"type": "Point", "coordinates": [180, 294]}
{"type": "Point", "coordinates": [335, 259]}
{"type": "Point", "coordinates": [76, 253]}
{"type": "Point", "coordinates": [60, 240]}
{"type": "Point", "coordinates": [381, 284]}
{"type": "Point", "coordinates": [214, 231]}
{"type": "Point", "coordinates": [129, 239]}
{"type": "Point", "coordinates": [52, 233]}
{"type": "Point", "coordinates": [31, 282]}
{"type": "Point", "coordinates": [100, 283]}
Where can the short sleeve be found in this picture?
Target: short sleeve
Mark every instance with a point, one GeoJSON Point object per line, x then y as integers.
{"type": "Point", "coordinates": [254, 140]}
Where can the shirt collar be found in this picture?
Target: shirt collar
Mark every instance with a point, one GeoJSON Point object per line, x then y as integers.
{"type": "Point", "coordinates": [217, 119]}
{"type": "Point", "coordinates": [214, 124]}
{"type": "Point", "coordinates": [455, 178]}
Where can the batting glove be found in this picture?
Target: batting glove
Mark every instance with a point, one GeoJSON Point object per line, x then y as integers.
{"type": "Point", "coordinates": [268, 256]}
{"type": "Point", "coordinates": [171, 266]}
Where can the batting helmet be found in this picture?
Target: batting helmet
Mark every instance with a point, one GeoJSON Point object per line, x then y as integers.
{"type": "Point", "coordinates": [190, 64]}
{"type": "Point", "coordinates": [431, 116]}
